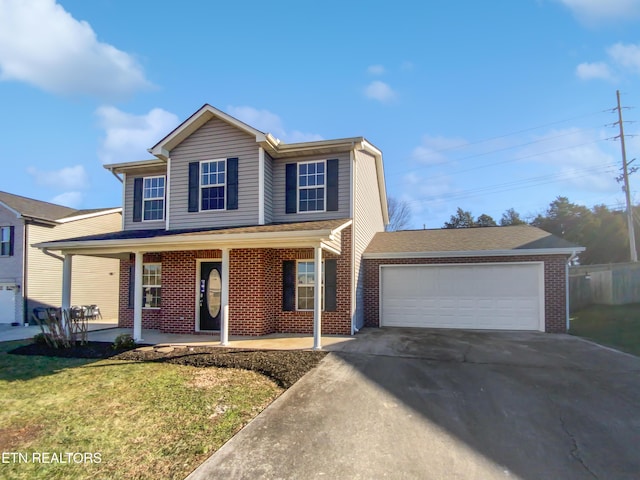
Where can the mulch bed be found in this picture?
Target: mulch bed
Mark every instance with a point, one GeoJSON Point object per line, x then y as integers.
{"type": "Point", "coordinates": [285, 367]}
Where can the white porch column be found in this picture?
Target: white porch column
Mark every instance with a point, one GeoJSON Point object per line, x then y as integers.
{"type": "Point", "coordinates": [137, 298]}
{"type": "Point", "coordinates": [317, 300]}
{"type": "Point", "coordinates": [67, 263]}
{"type": "Point", "coordinates": [224, 300]}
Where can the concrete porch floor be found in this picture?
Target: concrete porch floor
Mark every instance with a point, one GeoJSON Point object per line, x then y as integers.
{"type": "Point", "coordinates": [8, 332]}
{"type": "Point", "coordinates": [274, 341]}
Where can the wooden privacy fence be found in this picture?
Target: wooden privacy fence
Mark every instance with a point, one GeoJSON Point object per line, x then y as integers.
{"type": "Point", "coordinates": [611, 284]}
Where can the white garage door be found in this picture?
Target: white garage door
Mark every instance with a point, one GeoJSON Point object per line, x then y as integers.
{"type": "Point", "coordinates": [506, 296]}
{"type": "Point", "coordinates": [7, 305]}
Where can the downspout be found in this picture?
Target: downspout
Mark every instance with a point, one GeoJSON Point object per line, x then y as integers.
{"type": "Point", "coordinates": [25, 301]}
{"type": "Point", "coordinates": [566, 276]}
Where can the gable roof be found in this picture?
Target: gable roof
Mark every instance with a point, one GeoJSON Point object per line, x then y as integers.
{"type": "Point", "coordinates": [31, 208]}
{"type": "Point", "coordinates": [480, 241]}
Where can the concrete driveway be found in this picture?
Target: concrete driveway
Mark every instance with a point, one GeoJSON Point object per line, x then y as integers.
{"type": "Point", "coordinates": [436, 404]}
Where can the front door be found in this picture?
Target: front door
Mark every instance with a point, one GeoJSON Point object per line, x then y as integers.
{"type": "Point", "coordinates": [210, 295]}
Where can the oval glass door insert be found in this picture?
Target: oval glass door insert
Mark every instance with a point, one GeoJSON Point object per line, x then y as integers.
{"type": "Point", "coordinates": [214, 292]}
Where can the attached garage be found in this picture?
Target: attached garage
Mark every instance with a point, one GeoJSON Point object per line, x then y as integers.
{"type": "Point", "coordinates": [498, 278]}
{"type": "Point", "coordinates": [479, 296]}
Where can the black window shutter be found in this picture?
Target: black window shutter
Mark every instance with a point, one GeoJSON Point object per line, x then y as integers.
{"type": "Point", "coordinates": [332, 185]}
{"type": "Point", "coordinates": [288, 285]}
{"type": "Point", "coordinates": [292, 187]}
{"type": "Point", "coordinates": [232, 183]}
{"type": "Point", "coordinates": [12, 230]}
{"type": "Point", "coordinates": [330, 285]}
{"type": "Point", "coordinates": [137, 200]}
{"type": "Point", "coordinates": [132, 290]}
{"type": "Point", "coordinates": [194, 185]}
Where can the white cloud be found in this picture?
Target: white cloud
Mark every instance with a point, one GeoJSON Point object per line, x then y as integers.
{"type": "Point", "coordinates": [590, 71]}
{"type": "Point", "coordinates": [623, 59]}
{"type": "Point", "coordinates": [66, 178]}
{"type": "Point", "coordinates": [626, 56]}
{"type": "Point", "coordinates": [269, 122]}
{"type": "Point", "coordinates": [431, 150]}
{"type": "Point", "coordinates": [426, 196]}
{"type": "Point", "coordinates": [43, 45]}
{"type": "Point", "coordinates": [594, 12]}
{"type": "Point", "coordinates": [376, 69]}
{"type": "Point", "coordinates": [128, 136]}
{"type": "Point", "coordinates": [578, 157]}
{"type": "Point", "coordinates": [69, 199]}
{"type": "Point", "coordinates": [380, 91]}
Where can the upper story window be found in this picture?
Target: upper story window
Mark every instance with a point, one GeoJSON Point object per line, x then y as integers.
{"type": "Point", "coordinates": [212, 185]}
{"type": "Point", "coordinates": [311, 186]}
{"type": "Point", "coordinates": [6, 241]}
{"type": "Point", "coordinates": [153, 198]}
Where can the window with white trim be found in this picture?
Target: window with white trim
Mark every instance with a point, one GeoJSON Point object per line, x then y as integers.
{"type": "Point", "coordinates": [151, 285]}
{"type": "Point", "coordinates": [305, 285]}
{"type": "Point", "coordinates": [212, 184]}
{"type": "Point", "coordinates": [311, 186]}
{"type": "Point", "coordinates": [5, 241]}
{"type": "Point", "coordinates": [153, 198]}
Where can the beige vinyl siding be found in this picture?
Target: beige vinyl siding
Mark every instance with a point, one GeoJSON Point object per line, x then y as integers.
{"type": "Point", "coordinates": [11, 267]}
{"type": "Point", "coordinates": [93, 280]}
{"type": "Point", "coordinates": [367, 220]}
{"type": "Point", "coordinates": [279, 189]}
{"type": "Point", "coordinates": [216, 139]}
{"type": "Point", "coordinates": [127, 209]}
{"type": "Point", "coordinates": [268, 188]}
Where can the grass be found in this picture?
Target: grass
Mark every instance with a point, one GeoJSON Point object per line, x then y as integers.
{"type": "Point", "coordinates": [145, 419]}
{"type": "Point", "coordinates": [616, 326]}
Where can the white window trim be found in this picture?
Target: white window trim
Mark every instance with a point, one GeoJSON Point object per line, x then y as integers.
{"type": "Point", "coordinates": [164, 202]}
{"type": "Point", "coordinates": [200, 186]}
{"type": "Point", "coordinates": [298, 188]}
{"type": "Point", "coordinates": [307, 285]}
{"type": "Point", "coordinates": [2, 228]}
{"type": "Point", "coordinates": [152, 286]}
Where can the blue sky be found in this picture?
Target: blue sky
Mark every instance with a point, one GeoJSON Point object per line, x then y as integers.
{"type": "Point", "coordinates": [480, 105]}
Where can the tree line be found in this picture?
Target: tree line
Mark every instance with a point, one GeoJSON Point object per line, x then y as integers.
{"type": "Point", "coordinates": [602, 231]}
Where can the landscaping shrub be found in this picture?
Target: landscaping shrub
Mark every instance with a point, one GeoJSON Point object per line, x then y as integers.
{"type": "Point", "coordinates": [124, 342]}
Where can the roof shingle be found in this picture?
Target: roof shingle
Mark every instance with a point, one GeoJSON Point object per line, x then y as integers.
{"type": "Point", "coordinates": [517, 237]}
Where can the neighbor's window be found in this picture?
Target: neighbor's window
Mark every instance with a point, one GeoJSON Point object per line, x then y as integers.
{"type": "Point", "coordinates": [151, 285]}
{"type": "Point", "coordinates": [212, 184]}
{"type": "Point", "coordinates": [153, 198]}
{"type": "Point", "coordinates": [311, 186]}
{"type": "Point", "coordinates": [5, 241]}
{"type": "Point", "coordinates": [305, 285]}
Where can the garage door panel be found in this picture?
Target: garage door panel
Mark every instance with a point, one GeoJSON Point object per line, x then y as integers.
{"type": "Point", "coordinates": [504, 296]}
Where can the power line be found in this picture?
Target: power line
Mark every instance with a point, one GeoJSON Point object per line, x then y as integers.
{"type": "Point", "coordinates": [513, 185]}
{"type": "Point", "coordinates": [497, 137]}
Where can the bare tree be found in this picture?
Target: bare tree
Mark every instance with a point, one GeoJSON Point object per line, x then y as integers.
{"type": "Point", "coordinates": [399, 214]}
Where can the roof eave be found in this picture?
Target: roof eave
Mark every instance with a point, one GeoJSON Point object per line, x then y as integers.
{"type": "Point", "coordinates": [475, 253]}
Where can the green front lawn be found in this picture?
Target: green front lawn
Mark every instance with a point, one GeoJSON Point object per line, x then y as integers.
{"type": "Point", "coordinates": [139, 420]}
{"type": "Point", "coordinates": [615, 326]}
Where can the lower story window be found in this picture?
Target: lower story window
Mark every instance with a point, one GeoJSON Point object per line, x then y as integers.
{"type": "Point", "coordinates": [151, 285]}
{"type": "Point", "coordinates": [305, 285]}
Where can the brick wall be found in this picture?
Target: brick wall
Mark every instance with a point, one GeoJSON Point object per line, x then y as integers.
{"type": "Point", "coordinates": [554, 284]}
{"type": "Point", "coordinates": [255, 292]}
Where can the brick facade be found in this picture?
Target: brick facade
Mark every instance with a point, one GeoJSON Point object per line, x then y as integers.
{"type": "Point", "coordinates": [255, 292]}
{"type": "Point", "coordinates": [554, 284]}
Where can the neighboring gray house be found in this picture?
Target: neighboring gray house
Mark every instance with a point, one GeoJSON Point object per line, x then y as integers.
{"type": "Point", "coordinates": [30, 278]}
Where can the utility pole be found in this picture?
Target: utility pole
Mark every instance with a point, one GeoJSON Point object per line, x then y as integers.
{"type": "Point", "coordinates": [627, 191]}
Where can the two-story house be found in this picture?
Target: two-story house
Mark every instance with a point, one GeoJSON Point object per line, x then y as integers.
{"type": "Point", "coordinates": [30, 277]}
{"type": "Point", "coordinates": [229, 229]}
{"type": "Point", "coordinates": [228, 215]}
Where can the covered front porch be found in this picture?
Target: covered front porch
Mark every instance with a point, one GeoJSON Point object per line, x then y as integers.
{"type": "Point", "coordinates": [232, 281]}
{"type": "Point", "coordinates": [272, 341]}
